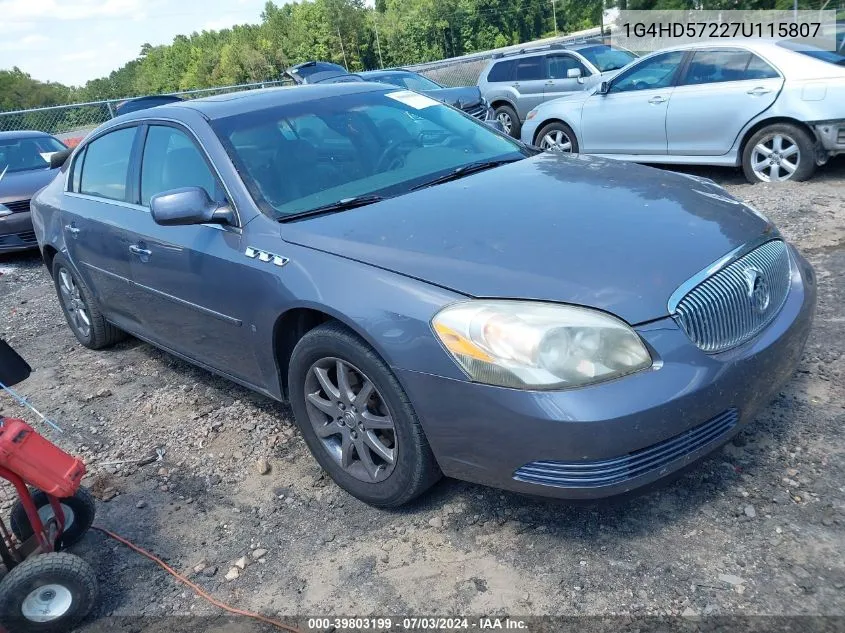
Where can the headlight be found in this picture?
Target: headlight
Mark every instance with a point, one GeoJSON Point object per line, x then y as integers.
{"type": "Point", "coordinates": [531, 115]}
{"type": "Point", "coordinates": [526, 344]}
{"type": "Point", "coordinates": [4, 210]}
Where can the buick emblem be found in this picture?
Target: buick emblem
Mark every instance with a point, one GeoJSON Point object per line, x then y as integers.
{"type": "Point", "coordinates": [758, 289]}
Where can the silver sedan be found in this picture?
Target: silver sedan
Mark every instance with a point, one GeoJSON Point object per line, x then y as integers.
{"type": "Point", "coordinates": [777, 109]}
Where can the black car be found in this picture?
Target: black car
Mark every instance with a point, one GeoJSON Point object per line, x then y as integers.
{"type": "Point", "coordinates": [315, 72]}
{"type": "Point", "coordinates": [466, 98]}
{"type": "Point", "coordinates": [24, 169]}
{"type": "Point", "coordinates": [142, 103]}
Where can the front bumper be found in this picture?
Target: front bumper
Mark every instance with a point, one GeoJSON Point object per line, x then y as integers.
{"type": "Point", "coordinates": [690, 402]}
{"type": "Point", "coordinates": [16, 233]}
{"type": "Point", "coordinates": [529, 130]}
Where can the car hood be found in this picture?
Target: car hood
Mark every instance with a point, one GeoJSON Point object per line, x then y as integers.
{"type": "Point", "coordinates": [462, 97]}
{"type": "Point", "coordinates": [575, 229]}
{"type": "Point", "coordinates": [21, 185]}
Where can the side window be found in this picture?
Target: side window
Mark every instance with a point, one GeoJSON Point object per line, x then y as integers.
{"type": "Point", "coordinates": [559, 65]}
{"type": "Point", "coordinates": [503, 71]}
{"type": "Point", "coordinates": [531, 68]}
{"type": "Point", "coordinates": [654, 72]}
{"type": "Point", "coordinates": [106, 165]}
{"type": "Point", "coordinates": [758, 69]}
{"type": "Point", "coordinates": [171, 160]}
{"type": "Point", "coordinates": [77, 171]}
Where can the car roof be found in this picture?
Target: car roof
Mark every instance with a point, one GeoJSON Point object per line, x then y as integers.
{"type": "Point", "coordinates": [233, 103]}
{"type": "Point", "coordinates": [386, 71]}
{"type": "Point", "coordinates": [16, 134]}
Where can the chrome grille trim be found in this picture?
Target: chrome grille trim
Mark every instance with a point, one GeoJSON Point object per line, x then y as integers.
{"type": "Point", "coordinates": [18, 206]}
{"type": "Point", "coordinates": [479, 111]}
{"type": "Point", "coordinates": [719, 313]}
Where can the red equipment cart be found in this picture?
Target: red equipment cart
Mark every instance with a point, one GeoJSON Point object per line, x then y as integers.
{"type": "Point", "coordinates": [45, 589]}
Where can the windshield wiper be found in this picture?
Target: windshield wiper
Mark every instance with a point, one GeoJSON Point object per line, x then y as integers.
{"type": "Point", "coordinates": [465, 170]}
{"type": "Point", "coordinates": [333, 207]}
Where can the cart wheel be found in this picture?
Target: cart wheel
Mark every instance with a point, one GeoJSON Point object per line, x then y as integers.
{"type": "Point", "coordinates": [79, 515]}
{"type": "Point", "coordinates": [47, 593]}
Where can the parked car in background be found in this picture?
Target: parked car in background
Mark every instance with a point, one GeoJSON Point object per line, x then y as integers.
{"type": "Point", "coordinates": [515, 83]}
{"type": "Point", "coordinates": [314, 72]}
{"type": "Point", "coordinates": [466, 98]}
{"type": "Point", "coordinates": [411, 281]}
{"type": "Point", "coordinates": [24, 169]}
{"type": "Point", "coordinates": [775, 111]}
{"type": "Point", "coordinates": [142, 103]}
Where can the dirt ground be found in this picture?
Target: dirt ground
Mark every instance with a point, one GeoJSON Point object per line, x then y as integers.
{"type": "Point", "coordinates": [757, 529]}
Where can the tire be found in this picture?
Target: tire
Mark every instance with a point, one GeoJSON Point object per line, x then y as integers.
{"type": "Point", "coordinates": [50, 593]}
{"type": "Point", "coordinates": [506, 113]}
{"type": "Point", "coordinates": [561, 134]}
{"type": "Point", "coordinates": [358, 423]}
{"type": "Point", "coordinates": [79, 515]}
{"type": "Point", "coordinates": [797, 151]}
{"type": "Point", "coordinates": [78, 304]}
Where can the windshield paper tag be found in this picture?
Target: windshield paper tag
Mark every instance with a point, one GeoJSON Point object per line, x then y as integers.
{"type": "Point", "coordinates": [409, 98]}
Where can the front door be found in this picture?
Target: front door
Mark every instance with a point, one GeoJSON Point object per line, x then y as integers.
{"type": "Point", "coordinates": [719, 93]}
{"type": "Point", "coordinates": [558, 82]}
{"type": "Point", "coordinates": [631, 117]}
{"type": "Point", "coordinates": [190, 275]}
{"type": "Point", "coordinates": [530, 83]}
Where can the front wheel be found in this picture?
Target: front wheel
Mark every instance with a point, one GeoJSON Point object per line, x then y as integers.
{"type": "Point", "coordinates": [778, 153]}
{"type": "Point", "coordinates": [49, 593]}
{"type": "Point", "coordinates": [357, 419]}
{"type": "Point", "coordinates": [557, 137]}
{"type": "Point", "coordinates": [509, 119]}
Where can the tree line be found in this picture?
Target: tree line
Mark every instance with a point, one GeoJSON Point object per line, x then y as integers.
{"type": "Point", "coordinates": [391, 33]}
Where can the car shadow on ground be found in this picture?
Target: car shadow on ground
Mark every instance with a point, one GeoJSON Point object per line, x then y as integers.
{"type": "Point", "coordinates": [834, 169]}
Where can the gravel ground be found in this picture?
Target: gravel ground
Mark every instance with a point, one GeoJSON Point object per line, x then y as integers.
{"type": "Point", "coordinates": [756, 529]}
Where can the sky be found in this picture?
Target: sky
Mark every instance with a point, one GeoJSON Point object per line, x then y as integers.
{"type": "Point", "coordinates": [72, 41]}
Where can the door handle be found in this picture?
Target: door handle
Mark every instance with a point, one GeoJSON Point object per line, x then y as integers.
{"type": "Point", "coordinates": [656, 100]}
{"type": "Point", "coordinates": [141, 252]}
{"type": "Point", "coordinates": [73, 230]}
{"type": "Point", "coordinates": [515, 85]}
{"type": "Point", "coordinates": [550, 82]}
{"type": "Point", "coordinates": [759, 91]}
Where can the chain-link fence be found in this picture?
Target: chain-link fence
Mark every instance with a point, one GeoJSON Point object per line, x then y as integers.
{"type": "Point", "coordinates": [72, 122]}
{"type": "Point", "coordinates": [465, 70]}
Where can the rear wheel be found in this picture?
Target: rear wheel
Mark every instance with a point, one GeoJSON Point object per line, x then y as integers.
{"type": "Point", "coordinates": [49, 593]}
{"type": "Point", "coordinates": [83, 316]}
{"type": "Point", "coordinates": [78, 510]}
{"type": "Point", "coordinates": [557, 137]}
{"type": "Point", "coordinates": [778, 153]}
{"type": "Point", "coordinates": [357, 419]}
{"type": "Point", "coordinates": [509, 119]}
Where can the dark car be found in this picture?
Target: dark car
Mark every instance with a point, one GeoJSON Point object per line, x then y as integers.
{"type": "Point", "coordinates": [466, 98]}
{"type": "Point", "coordinates": [142, 103]}
{"type": "Point", "coordinates": [314, 72]}
{"type": "Point", "coordinates": [431, 296]}
{"type": "Point", "coordinates": [24, 169]}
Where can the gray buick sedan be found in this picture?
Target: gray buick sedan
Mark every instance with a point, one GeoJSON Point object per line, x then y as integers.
{"type": "Point", "coordinates": [431, 296]}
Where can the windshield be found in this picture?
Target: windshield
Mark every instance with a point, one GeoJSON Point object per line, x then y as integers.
{"type": "Point", "coordinates": [812, 51]}
{"type": "Point", "coordinates": [28, 153]}
{"type": "Point", "coordinates": [607, 58]}
{"type": "Point", "coordinates": [411, 81]}
{"type": "Point", "coordinates": [298, 157]}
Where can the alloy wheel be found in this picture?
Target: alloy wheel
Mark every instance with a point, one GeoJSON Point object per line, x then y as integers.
{"type": "Point", "coordinates": [775, 158]}
{"type": "Point", "coordinates": [505, 119]}
{"type": "Point", "coordinates": [556, 141]}
{"type": "Point", "coordinates": [351, 419]}
{"type": "Point", "coordinates": [74, 303]}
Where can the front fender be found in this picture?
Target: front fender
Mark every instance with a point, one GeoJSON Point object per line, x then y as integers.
{"type": "Point", "coordinates": [47, 216]}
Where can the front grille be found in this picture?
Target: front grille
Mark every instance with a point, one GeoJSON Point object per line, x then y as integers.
{"type": "Point", "coordinates": [734, 304]}
{"type": "Point", "coordinates": [27, 236]}
{"type": "Point", "coordinates": [479, 111]}
{"type": "Point", "coordinates": [840, 136]}
{"type": "Point", "coordinates": [18, 206]}
{"type": "Point", "coordinates": [609, 472]}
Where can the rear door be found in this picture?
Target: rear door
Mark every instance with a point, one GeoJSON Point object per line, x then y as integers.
{"type": "Point", "coordinates": [190, 276]}
{"type": "Point", "coordinates": [720, 91]}
{"type": "Point", "coordinates": [95, 218]}
{"type": "Point", "coordinates": [631, 117]}
{"type": "Point", "coordinates": [558, 83]}
{"type": "Point", "coordinates": [530, 84]}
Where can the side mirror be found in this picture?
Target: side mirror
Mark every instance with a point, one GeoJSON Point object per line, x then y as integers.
{"type": "Point", "coordinates": [604, 88]}
{"type": "Point", "coordinates": [496, 125]}
{"type": "Point", "coordinates": [57, 159]}
{"type": "Point", "coordinates": [573, 73]}
{"type": "Point", "coordinates": [188, 205]}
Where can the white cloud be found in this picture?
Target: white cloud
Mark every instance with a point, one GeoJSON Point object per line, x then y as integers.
{"type": "Point", "coordinates": [33, 42]}
{"type": "Point", "coordinates": [79, 56]}
{"type": "Point", "coordinates": [27, 10]}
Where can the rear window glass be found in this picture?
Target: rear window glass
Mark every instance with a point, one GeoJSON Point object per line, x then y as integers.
{"type": "Point", "coordinates": [530, 68]}
{"type": "Point", "coordinates": [106, 165]}
{"type": "Point", "coordinates": [721, 66]}
{"type": "Point", "coordinates": [503, 71]}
